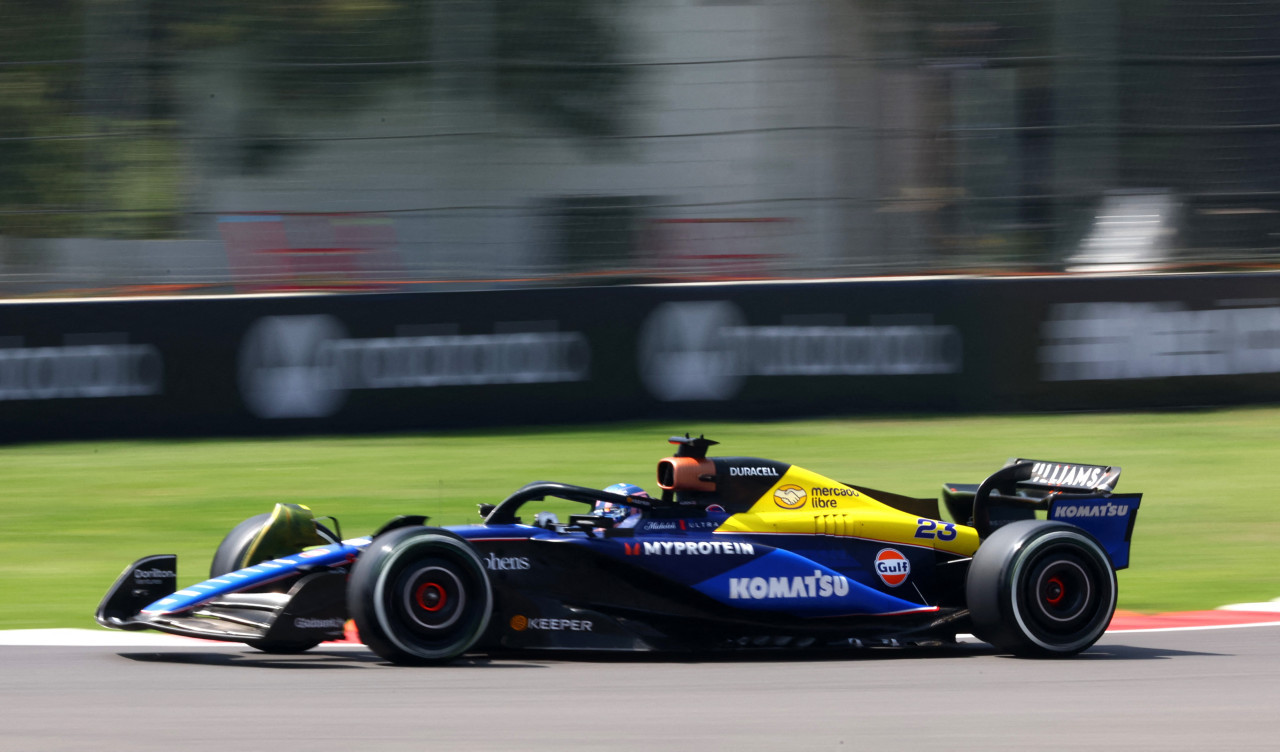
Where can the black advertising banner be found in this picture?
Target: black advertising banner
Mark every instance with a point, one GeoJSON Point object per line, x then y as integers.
{"type": "Point", "coordinates": [358, 363]}
{"type": "Point", "coordinates": [757, 351]}
{"type": "Point", "coordinates": [302, 364]}
{"type": "Point", "coordinates": [1133, 342]}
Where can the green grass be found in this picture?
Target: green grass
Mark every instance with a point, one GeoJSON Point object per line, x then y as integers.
{"type": "Point", "coordinates": [73, 515]}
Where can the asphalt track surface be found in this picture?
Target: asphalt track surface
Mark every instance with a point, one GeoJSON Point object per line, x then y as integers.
{"type": "Point", "coordinates": [1183, 689]}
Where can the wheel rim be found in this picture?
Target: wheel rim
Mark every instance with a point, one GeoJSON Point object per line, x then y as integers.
{"type": "Point", "coordinates": [1055, 592]}
{"type": "Point", "coordinates": [1061, 597]}
{"type": "Point", "coordinates": [1062, 593]}
{"type": "Point", "coordinates": [433, 597]}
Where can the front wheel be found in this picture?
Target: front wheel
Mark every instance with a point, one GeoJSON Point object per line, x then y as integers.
{"type": "Point", "coordinates": [241, 548]}
{"type": "Point", "coordinates": [419, 596]}
{"type": "Point", "coordinates": [233, 552]}
{"type": "Point", "coordinates": [249, 543]}
{"type": "Point", "coordinates": [1038, 588]}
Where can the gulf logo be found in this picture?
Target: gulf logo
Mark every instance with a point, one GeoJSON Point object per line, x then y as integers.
{"type": "Point", "coordinates": [789, 496]}
{"type": "Point", "coordinates": [892, 567]}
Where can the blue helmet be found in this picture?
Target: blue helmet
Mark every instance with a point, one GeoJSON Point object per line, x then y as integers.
{"type": "Point", "coordinates": [619, 512]}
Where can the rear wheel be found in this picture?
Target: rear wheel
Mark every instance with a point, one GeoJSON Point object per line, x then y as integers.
{"type": "Point", "coordinates": [419, 596]}
{"type": "Point", "coordinates": [1039, 588]}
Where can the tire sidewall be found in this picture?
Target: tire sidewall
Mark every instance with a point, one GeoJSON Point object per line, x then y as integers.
{"type": "Point", "coordinates": [227, 558]}
{"type": "Point", "coordinates": [1105, 577]}
{"type": "Point", "coordinates": [371, 595]}
{"type": "Point", "coordinates": [996, 587]}
{"type": "Point", "coordinates": [228, 553]}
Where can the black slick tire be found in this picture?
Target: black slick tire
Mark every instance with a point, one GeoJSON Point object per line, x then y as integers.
{"type": "Point", "coordinates": [419, 596]}
{"type": "Point", "coordinates": [230, 556]}
{"type": "Point", "coordinates": [1041, 589]}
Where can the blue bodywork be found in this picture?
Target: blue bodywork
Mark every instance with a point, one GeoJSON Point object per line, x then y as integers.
{"type": "Point", "coordinates": [1109, 519]}
{"type": "Point", "coordinates": [264, 573]}
{"type": "Point", "coordinates": [728, 568]}
{"type": "Point", "coordinates": [737, 570]}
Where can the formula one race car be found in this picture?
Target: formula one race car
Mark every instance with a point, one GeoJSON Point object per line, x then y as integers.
{"type": "Point", "coordinates": [737, 552]}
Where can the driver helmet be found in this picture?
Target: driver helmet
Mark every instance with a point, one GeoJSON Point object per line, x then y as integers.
{"type": "Point", "coordinates": [619, 512]}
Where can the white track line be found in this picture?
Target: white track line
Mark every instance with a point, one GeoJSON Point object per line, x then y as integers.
{"type": "Point", "coordinates": [113, 638]}
{"type": "Point", "coordinates": [98, 638]}
{"type": "Point", "coordinates": [1197, 628]}
{"type": "Point", "coordinates": [1266, 606]}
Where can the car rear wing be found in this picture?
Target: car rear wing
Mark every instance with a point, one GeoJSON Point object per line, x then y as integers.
{"type": "Point", "coordinates": [1067, 477]}
{"type": "Point", "coordinates": [1110, 519]}
{"type": "Point", "coordinates": [1083, 495]}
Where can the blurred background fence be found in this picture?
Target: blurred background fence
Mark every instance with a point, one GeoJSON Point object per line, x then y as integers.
{"type": "Point", "coordinates": [224, 145]}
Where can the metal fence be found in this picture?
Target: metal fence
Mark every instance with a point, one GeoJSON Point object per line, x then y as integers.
{"type": "Point", "coordinates": [230, 145]}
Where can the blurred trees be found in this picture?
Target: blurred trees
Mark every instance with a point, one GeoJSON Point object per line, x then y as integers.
{"type": "Point", "coordinates": [88, 142]}
{"type": "Point", "coordinates": [41, 152]}
{"type": "Point", "coordinates": [1091, 96]}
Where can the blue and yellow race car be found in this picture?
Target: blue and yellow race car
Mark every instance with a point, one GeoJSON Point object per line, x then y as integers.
{"type": "Point", "coordinates": [736, 553]}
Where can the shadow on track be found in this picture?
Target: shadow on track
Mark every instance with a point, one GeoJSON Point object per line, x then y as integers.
{"type": "Point", "coordinates": [764, 655]}
{"type": "Point", "coordinates": [1131, 653]}
{"type": "Point", "coordinates": [315, 659]}
{"type": "Point", "coordinates": [352, 659]}
{"type": "Point", "coordinates": [866, 654]}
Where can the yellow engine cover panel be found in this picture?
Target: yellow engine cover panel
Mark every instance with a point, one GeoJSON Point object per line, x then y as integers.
{"type": "Point", "coordinates": [803, 502]}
